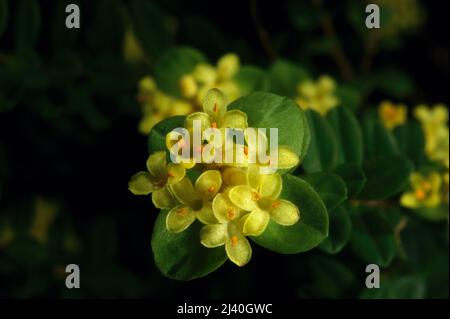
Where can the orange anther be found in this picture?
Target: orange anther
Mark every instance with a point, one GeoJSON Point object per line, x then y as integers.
{"type": "Point", "coordinates": [231, 213]}
{"type": "Point", "coordinates": [275, 204]}
{"type": "Point", "coordinates": [246, 150]}
{"type": "Point", "coordinates": [420, 194]}
{"type": "Point", "coordinates": [256, 196]}
{"type": "Point", "coordinates": [170, 174]}
{"type": "Point", "coordinates": [234, 240]}
{"type": "Point", "coordinates": [214, 125]}
{"type": "Point", "coordinates": [182, 211]}
{"type": "Point", "coordinates": [211, 189]}
{"type": "Point", "coordinates": [215, 108]}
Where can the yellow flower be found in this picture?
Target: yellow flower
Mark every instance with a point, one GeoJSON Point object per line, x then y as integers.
{"type": "Point", "coordinates": [392, 115]}
{"type": "Point", "coordinates": [425, 191]}
{"type": "Point", "coordinates": [228, 232]}
{"type": "Point", "coordinates": [156, 180]}
{"type": "Point", "coordinates": [196, 201]}
{"type": "Point", "coordinates": [319, 96]}
{"type": "Point", "coordinates": [44, 216]}
{"type": "Point", "coordinates": [260, 198]}
{"type": "Point", "coordinates": [434, 124]}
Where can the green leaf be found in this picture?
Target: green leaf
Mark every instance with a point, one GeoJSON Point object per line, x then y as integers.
{"type": "Point", "coordinates": [150, 27]}
{"type": "Point", "coordinates": [157, 136]}
{"type": "Point", "coordinates": [340, 230]}
{"type": "Point", "coordinates": [285, 77]}
{"type": "Point", "coordinates": [4, 14]}
{"type": "Point", "coordinates": [28, 24]}
{"type": "Point", "coordinates": [251, 79]}
{"type": "Point", "coordinates": [353, 176]}
{"type": "Point", "coordinates": [394, 82]}
{"type": "Point", "coordinates": [411, 142]}
{"type": "Point", "coordinates": [180, 256]}
{"type": "Point", "coordinates": [349, 96]}
{"type": "Point", "coordinates": [323, 150]}
{"type": "Point", "coordinates": [406, 287]}
{"type": "Point", "coordinates": [172, 65]}
{"type": "Point", "coordinates": [330, 187]}
{"type": "Point", "coordinates": [434, 214]}
{"type": "Point", "coordinates": [386, 177]}
{"type": "Point", "coordinates": [266, 110]}
{"type": "Point", "coordinates": [308, 232]}
{"type": "Point", "coordinates": [372, 236]}
{"type": "Point", "coordinates": [348, 134]}
{"type": "Point", "coordinates": [303, 15]}
{"type": "Point", "coordinates": [378, 141]}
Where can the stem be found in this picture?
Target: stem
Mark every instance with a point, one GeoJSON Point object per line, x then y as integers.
{"type": "Point", "coordinates": [262, 33]}
{"type": "Point", "coordinates": [371, 49]}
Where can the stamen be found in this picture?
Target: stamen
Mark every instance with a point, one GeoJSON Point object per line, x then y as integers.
{"type": "Point", "coordinates": [170, 174]}
{"type": "Point", "coordinates": [246, 150]}
{"type": "Point", "coordinates": [215, 108]}
{"type": "Point", "coordinates": [256, 196]}
{"type": "Point", "coordinates": [231, 213]}
{"type": "Point", "coordinates": [234, 240]}
{"type": "Point", "coordinates": [214, 125]}
{"type": "Point", "coordinates": [275, 204]}
{"type": "Point", "coordinates": [182, 211]}
{"type": "Point", "coordinates": [420, 194]}
{"type": "Point", "coordinates": [211, 189]}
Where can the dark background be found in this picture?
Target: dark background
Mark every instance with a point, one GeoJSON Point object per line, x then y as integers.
{"type": "Point", "coordinates": [71, 136]}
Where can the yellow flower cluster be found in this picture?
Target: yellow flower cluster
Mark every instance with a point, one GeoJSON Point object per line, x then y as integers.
{"type": "Point", "coordinates": [318, 96]}
{"type": "Point", "coordinates": [157, 105]}
{"type": "Point", "coordinates": [392, 115]}
{"type": "Point", "coordinates": [233, 201]}
{"type": "Point", "coordinates": [434, 124]}
{"type": "Point", "coordinates": [426, 191]}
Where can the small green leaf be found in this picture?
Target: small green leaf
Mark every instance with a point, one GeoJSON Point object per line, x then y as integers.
{"type": "Point", "coordinates": [378, 141]}
{"type": "Point", "coordinates": [394, 82]}
{"type": "Point", "coordinates": [330, 187]}
{"type": "Point", "coordinates": [305, 234]}
{"type": "Point", "coordinates": [266, 110]}
{"type": "Point", "coordinates": [353, 177]}
{"type": "Point", "coordinates": [28, 24]}
{"type": "Point", "coordinates": [348, 134]}
{"type": "Point", "coordinates": [386, 177]}
{"type": "Point", "coordinates": [251, 79]}
{"type": "Point", "coordinates": [285, 77]}
{"type": "Point", "coordinates": [180, 256]}
{"type": "Point", "coordinates": [157, 136]}
{"type": "Point", "coordinates": [150, 27]}
{"type": "Point", "coordinates": [323, 150]}
{"type": "Point", "coordinates": [372, 236]}
{"type": "Point", "coordinates": [349, 96]}
{"type": "Point", "coordinates": [411, 142]}
{"type": "Point", "coordinates": [172, 65]}
{"type": "Point", "coordinates": [340, 230]}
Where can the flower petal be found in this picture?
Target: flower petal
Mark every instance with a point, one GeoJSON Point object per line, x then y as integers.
{"type": "Point", "coordinates": [214, 235]}
{"type": "Point", "coordinates": [208, 184]}
{"type": "Point", "coordinates": [409, 200]}
{"type": "Point", "coordinates": [175, 173]}
{"type": "Point", "coordinates": [205, 214]}
{"type": "Point", "coordinates": [198, 116]}
{"type": "Point", "coordinates": [235, 119]}
{"type": "Point", "coordinates": [233, 176]}
{"type": "Point", "coordinates": [163, 199]}
{"type": "Point", "coordinates": [184, 191]}
{"type": "Point", "coordinates": [179, 218]}
{"type": "Point", "coordinates": [271, 186]}
{"type": "Point", "coordinates": [156, 164]}
{"type": "Point", "coordinates": [254, 176]}
{"type": "Point", "coordinates": [287, 158]}
{"type": "Point", "coordinates": [227, 66]}
{"type": "Point", "coordinates": [256, 222]}
{"type": "Point", "coordinates": [284, 212]}
{"type": "Point", "coordinates": [243, 196]}
{"type": "Point", "coordinates": [141, 184]}
{"type": "Point", "coordinates": [215, 104]}
{"type": "Point", "coordinates": [238, 249]}
{"type": "Point", "coordinates": [224, 210]}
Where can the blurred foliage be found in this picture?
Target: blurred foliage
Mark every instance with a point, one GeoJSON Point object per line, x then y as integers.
{"type": "Point", "coordinates": [69, 142]}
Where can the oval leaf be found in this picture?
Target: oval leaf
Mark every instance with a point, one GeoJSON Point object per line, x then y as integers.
{"type": "Point", "coordinates": [330, 187]}
{"type": "Point", "coordinates": [353, 177]}
{"type": "Point", "coordinates": [340, 231]}
{"type": "Point", "coordinates": [181, 256]}
{"type": "Point", "coordinates": [285, 77]}
{"type": "Point", "coordinates": [305, 234]}
{"type": "Point", "coordinates": [251, 79]}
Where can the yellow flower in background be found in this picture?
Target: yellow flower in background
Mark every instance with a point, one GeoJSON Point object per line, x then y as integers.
{"type": "Point", "coordinates": [7, 235]}
{"type": "Point", "coordinates": [318, 96]}
{"type": "Point", "coordinates": [446, 187]}
{"type": "Point", "coordinates": [44, 216]}
{"type": "Point", "coordinates": [132, 49]}
{"type": "Point", "coordinates": [157, 179]}
{"type": "Point", "coordinates": [425, 191]}
{"type": "Point", "coordinates": [392, 115]}
{"type": "Point", "coordinates": [435, 127]}
{"type": "Point", "coordinates": [157, 106]}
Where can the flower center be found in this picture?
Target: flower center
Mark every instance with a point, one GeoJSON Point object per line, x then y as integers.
{"type": "Point", "coordinates": [256, 196]}
{"type": "Point", "coordinates": [231, 213]}
{"type": "Point", "coordinates": [420, 194]}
